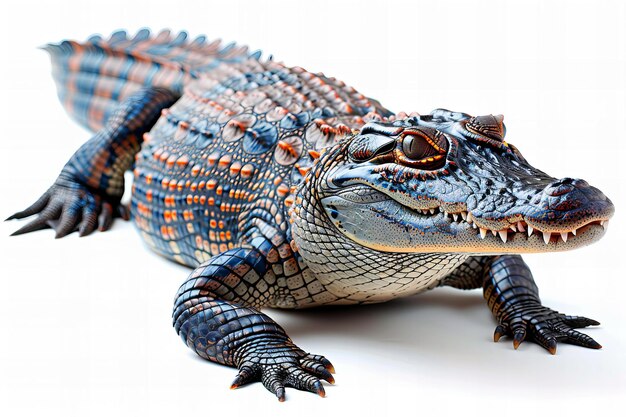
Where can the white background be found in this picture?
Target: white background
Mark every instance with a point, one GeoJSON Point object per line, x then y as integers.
{"type": "Point", "coordinates": [85, 323]}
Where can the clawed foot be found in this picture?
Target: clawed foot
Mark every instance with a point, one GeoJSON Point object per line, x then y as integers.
{"type": "Point", "coordinates": [284, 366]}
{"type": "Point", "coordinates": [68, 206]}
{"type": "Point", "coordinates": [545, 327]}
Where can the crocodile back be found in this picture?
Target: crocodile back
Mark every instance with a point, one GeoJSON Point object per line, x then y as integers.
{"type": "Point", "coordinates": [220, 166]}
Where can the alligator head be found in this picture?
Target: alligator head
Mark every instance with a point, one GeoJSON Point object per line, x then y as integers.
{"type": "Point", "coordinates": [448, 182]}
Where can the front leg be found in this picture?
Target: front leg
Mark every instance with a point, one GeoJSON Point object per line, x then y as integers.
{"type": "Point", "coordinates": [513, 298]}
{"type": "Point", "coordinates": [216, 314]}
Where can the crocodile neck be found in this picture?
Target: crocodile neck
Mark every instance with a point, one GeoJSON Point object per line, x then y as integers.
{"type": "Point", "coordinates": [355, 273]}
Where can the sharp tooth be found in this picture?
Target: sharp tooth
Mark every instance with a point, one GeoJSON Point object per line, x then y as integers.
{"type": "Point", "coordinates": [605, 224]}
{"type": "Point", "coordinates": [464, 215]}
{"type": "Point", "coordinates": [470, 219]}
{"type": "Point", "coordinates": [546, 237]}
{"type": "Point", "coordinates": [574, 232]}
{"type": "Point", "coordinates": [520, 227]}
{"type": "Point", "coordinates": [474, 225]}
{"type": "Point", "coordinates": [424, 211]}
{"type": "Point", "coordinates": [455, 216]}
{"type": "Point", "coordinates": [483, 232]}
{"type": "Point", "coordinates": [432, 211]}
{"type": "Point", "coordinates": [513, 228]}
{"type": "Point", "coordinates": [564, 236]}
{"type": "Point", "coordinates": [494, 232]}
{"type": "Point", "coordinates": [503, 235]}
{"type": "Point", "coordinates": [530, 230]}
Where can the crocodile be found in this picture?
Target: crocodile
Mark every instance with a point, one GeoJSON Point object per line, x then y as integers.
{"type": "Point", "coordinates": [289, 189]}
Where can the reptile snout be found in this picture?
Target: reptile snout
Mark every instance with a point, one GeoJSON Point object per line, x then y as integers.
{"type": "Point", "coordinates": [573, 197]}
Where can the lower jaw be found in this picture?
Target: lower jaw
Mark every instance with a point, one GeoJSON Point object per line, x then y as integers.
{"type": "Point", "coordinates": [468, 241]}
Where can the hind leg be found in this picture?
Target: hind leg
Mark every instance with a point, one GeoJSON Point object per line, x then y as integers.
{"type": "Point", "coordinates": [88, 190]}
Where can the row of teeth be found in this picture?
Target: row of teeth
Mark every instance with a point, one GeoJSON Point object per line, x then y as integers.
{"type": "Point", "coordinates": [518, 227]}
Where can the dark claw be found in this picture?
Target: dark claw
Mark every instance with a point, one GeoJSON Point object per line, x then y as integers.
{"type": "Point", "coordinates": [580, 339]}
{"type": "Point", "coordinates": [319, 389]}
{"type": "Point", "coordinates": [35, 208]}
{"type": "Point", "coordinates": [499, 332]}
{"type": "Point", "coordinates": [579, 322]}
{"type": "Point", "coordinates": [245, 376]}
{"type": "Point", "coordinates": [317, 368]}
{"type": "Point", "coordinates": [89, 222]}
{"type": "Point", "coordinates": [67, 224]}
{"type": "Point", "coordinates": [319, 358]}
{"type": "Point", "coordinates": [552, 346]}
{"type": "Point", "coordinates": [518, 337]}
{"type": "Point", "coordinates": [280, 393]}
{"type": "Point", "coordinates": [37, 224]}
{"type": "Point", "coordinates": [123, 211]}
{"type": "Point", "coordinates": [106, 217]}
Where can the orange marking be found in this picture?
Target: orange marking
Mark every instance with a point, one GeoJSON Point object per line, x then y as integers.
{"type": "Point", "coordinates": [287, 148]}
{"type": "Point", "coordinates": [219, 190]}
{"type": "Point", "coordinates": [182, 161]}
{"type": "Point", "coordinates": [247, 170]}
{"type": "Point", "coordinates": [314, 154]}
{"type": "Point", "coordinates": [195, 170]}
{"type": "Point", "coordinates": [189, 198]}
{"type": "Point", "coordinates": [213, 223]}
{"type": "Point", "coordinates": [289, 201]}
{"type": "Point", "coordinates": [282, 190]}
{"type": "Point", "coordinates": [224, 161]}
{"type": "Point", "coordinates": [277, 180]}
{"type": "Point", "coordinates": [212, 159]}
{"type": "Point", "coordinates": [211, 201]}
{"type": "Point", "coordinates": [235, 168]}
{"type": "Point", "coordinates": [149, 196]}
{"type": "Point", "coordinates": [210, 185]}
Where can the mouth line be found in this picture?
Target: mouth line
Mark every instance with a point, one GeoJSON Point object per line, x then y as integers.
{"type": "Point", "coordinates": [516, 228]}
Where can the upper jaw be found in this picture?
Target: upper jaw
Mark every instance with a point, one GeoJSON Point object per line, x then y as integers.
{"type": "Point", "coordinates": [509, 229]}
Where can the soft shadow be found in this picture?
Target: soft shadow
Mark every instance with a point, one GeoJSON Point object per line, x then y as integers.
{"type": "Point", "coordinates": [385, 321]}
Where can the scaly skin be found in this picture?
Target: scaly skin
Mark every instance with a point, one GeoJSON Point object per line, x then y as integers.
{"type": "Point", "coordinates": [289, 189]}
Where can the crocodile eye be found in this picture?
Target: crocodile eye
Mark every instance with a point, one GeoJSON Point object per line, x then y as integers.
{"type": "Point", "coordinates": [416, 147]}
{"type": "Point", "coordinates": [424, 148]}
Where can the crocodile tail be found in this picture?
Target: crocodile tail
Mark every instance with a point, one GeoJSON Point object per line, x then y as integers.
{"type": "Point", "coordinates": [92, 77]}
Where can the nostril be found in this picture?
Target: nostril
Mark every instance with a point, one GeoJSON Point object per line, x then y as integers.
{"type": "Point", "coordinates": [578, 183]}
{"type": "Point", "coordinates": [563, 181]}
